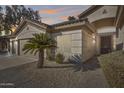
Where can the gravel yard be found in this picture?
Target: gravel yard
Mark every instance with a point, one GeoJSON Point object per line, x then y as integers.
{"type": "Point", "coordinates": [113, 67]}
{"type": "Point", "coordinates": [28, 75]}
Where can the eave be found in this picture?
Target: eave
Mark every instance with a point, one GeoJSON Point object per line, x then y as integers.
{"type": "Point", "coordinates": [29, 22]}
{"type": "Point", "coordinates": [89, 11]}
{"type": "Point", "coordinates": [119, 17]}
{"type": "Point", "coordinates": [68, 25]}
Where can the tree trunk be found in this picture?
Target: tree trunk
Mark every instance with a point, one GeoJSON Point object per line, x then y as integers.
{"type": "Point", "coordinates": [41, 59]}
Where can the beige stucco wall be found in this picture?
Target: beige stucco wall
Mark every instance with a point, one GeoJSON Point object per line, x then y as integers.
{"type": "Point", "coordinates": [69, 43]}
{"type": "Point", "coordinates": [28, 31]}
{"type": "Point", "coordinates": [107, 29]}
{"type": "Point", "coordinates": [120, 38]}
{"type": "Point", "coordinates": [110, 12]}
{"type": "Point", "coordinates": [88, 47]}
{"type": "Point", "coordinates": [81, 42]}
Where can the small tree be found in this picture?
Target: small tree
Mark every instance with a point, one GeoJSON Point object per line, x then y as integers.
{"type": "Point", "coordinates": [38, 43]}
{"type": "Point", "coordinates": [71, 18]}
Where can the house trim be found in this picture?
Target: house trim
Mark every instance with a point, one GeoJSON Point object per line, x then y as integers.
{"type": "Point", "coordinates": [89, 11]}
{"type": "Point", "coordinates": [26, 22]}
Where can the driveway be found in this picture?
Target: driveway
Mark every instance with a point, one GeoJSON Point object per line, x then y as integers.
{"type": "Point", "coordinates": [12, 61]}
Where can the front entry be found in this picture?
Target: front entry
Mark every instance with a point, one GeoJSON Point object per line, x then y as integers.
{"type": "Point", "coordinates": [4, 44]}
{"type": "Point", "coordinates": [106, 44]}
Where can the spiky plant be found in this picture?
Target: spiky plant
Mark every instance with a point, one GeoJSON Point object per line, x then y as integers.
{"type": "Point", "coordinates": [38, 44]}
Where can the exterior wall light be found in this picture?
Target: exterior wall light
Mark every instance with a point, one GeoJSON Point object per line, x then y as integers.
{"type": "Point", "coordinates": [94, 39]}
{"type": "Point", "coordinates": [94, 36]}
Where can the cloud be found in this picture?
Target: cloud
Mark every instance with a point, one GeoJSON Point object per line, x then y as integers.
{"type": "Point", "coordinates": [63, 17]}
{"type": "Point", "coordinates": [55, 14]}
{"type": "Point", "coordinates": [48, 11]}
{"type": "Point", "coordinates": [48, 21]}
{"type": "Point", "coordinates": [51, 11]}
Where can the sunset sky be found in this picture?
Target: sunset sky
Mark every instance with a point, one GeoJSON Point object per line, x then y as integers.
{"type": "Point", "coordinates": [52, 14]}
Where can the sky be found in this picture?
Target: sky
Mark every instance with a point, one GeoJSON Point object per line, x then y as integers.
{"type": "Point", "coordinates": [52, 14]}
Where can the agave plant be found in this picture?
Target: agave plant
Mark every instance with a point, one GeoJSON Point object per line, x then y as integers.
{"type": "Point", "coordinates": [38, 44]}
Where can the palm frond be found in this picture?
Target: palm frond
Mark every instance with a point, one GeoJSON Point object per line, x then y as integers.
{"type": "Point", "coordinates": [39, 41]}
{"type": "Point", "coordinates": [26, 51]}
{"type": "Point", "coordinates": [36, 52]}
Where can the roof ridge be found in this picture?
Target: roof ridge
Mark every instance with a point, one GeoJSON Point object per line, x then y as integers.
{"type": "Point", "coordinates": [69, 22]}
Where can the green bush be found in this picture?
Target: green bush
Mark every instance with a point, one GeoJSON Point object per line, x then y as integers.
{"type": "Point", "coordinates": [59, 58]}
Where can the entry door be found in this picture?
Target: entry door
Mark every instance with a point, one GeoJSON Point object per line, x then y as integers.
{"type": "Point", "coordinates": [106, 44]}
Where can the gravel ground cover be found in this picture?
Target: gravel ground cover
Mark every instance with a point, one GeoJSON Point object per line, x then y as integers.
{"type": "Point", "coordinates": [113, 67]}
{"type": "Point", "coordinates": [52, 76]}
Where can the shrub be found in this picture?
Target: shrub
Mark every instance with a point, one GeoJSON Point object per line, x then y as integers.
{"type": "Point", "coordinates": [59, 58]}
{"type": "Point", "coordinates": [49, 55]}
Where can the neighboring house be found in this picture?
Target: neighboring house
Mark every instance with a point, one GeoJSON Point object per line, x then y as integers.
{"type": "Point", "coordinates": [99, 30]}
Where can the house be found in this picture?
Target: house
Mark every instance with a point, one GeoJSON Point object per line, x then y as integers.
{"type": "Point", "coordinates": [99, 30]}
{"type": "Point", "coordinates": [23, 33]}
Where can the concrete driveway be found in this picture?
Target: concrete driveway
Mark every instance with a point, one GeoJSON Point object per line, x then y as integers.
{"type": "Point", "coordinates": [12, 61]}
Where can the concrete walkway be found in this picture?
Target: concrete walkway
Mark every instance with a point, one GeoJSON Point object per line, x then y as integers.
{"type": "Point", "coordinates": [12, 61]}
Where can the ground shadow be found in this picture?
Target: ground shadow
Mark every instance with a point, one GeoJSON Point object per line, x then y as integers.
{"type": "Point", "coordinates": [90, 64]}
{"type": "Point", "coordinates": [58, 66]}
{"type": "Point", "coordinates": [75, 62]}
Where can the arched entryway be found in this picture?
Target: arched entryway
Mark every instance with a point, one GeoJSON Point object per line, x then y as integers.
{"type": "Point", "coordinates": [105, 35]}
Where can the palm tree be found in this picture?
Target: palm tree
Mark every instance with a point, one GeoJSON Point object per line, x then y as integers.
{"type": "Point", "coordinates": [39, 43]}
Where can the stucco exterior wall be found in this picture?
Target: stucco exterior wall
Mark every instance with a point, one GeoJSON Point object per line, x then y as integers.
{"type": "Point", "coordinates": [120, 38]}
{"type": "Point", "coordinates": [88, 45]}
{"type": "Point", "coordinates": [28, 31]}
{"type": "Point", "coordinates": [104, 12]}
{"type": "Point", "coordinates": [69, 43]}
{"type": "Point", "coordinates": [107, 29]}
